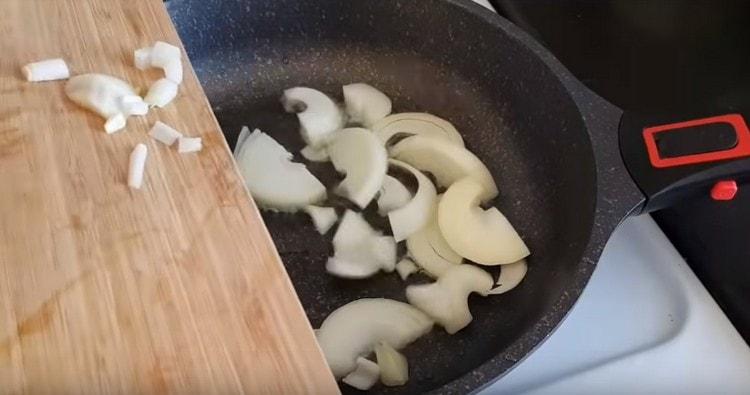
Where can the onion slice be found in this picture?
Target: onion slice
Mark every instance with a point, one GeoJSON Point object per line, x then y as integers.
{"type": "Point", "coordinates": [510, 276]}
{"type": "Point", "coordinates": [273, 179]}
{"type": "Point", "coordinates": [483, 236]}
{"type": "Point", "coordinates": [416, 123]}
{"type": "Point", "coordinates": [189, 144]}
{"type": "Point", "coordinates": [322, 217]}
{"type": "Point", "coordinates": [164, 133]}
{"type": "Point", "coordinates": [364, 376]}
{"type": "Point", "coordinates": [161, 93]}
{"type": "Point", "coordinates": [137, 166]}
{"type": "Point", "coordinates": [115, 123]}
{"type": "Point", "coordinates": [99, 93]}
{"type": "Point", "coordinates": [393, 194]}
{"type": "Point", "coordinates": [405, 268]}
{"type": "Point", "coordinates": [365, 104]}
{"type": "Point", "coordinates": [353, 330]}
{"type": "Point", "coordinates": [430, 250]}
{"type": "Point", "coordinates": [446, 161]}
{"type": "Point", "coordinates": [446, 300]}
{"type": "Point", "coordinates": [314, 154]}
{"type": "Point", "coordinates": [414, 215]}
{"type": "Point", "coordinates": [318, 115]}
{"type": "Point", "coordinates": [359, 250]}
{"type": "Point", "coordinates": [358, 153]}
{"type": "Point", "coordinates": [394, 369]}
{"type": "Point", "coordinates": [46, 70]}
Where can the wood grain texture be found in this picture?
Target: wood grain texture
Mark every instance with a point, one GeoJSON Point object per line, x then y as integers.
{"type": "Point", "coordinates": [175, 288]}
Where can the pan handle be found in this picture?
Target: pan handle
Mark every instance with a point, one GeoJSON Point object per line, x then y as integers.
{"type": "Point", "coordinates": [675, 159]}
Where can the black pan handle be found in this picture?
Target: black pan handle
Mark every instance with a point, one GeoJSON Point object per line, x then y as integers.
{"type": "Point", "coordinates": [675, 159]}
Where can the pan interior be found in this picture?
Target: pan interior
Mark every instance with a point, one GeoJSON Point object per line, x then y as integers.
{"type": "Point", "coordinates": [440, 57]}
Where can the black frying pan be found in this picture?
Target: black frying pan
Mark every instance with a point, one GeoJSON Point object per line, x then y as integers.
{"type": "Point", "coordinates": [561, 162]}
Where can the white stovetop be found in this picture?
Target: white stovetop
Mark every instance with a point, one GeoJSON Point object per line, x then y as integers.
{"type": "Point", "coordinates": [644, 324]}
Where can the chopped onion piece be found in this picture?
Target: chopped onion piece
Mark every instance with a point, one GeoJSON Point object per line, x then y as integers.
{"type": "Point", "coordinates": [164, 133]}
{"type": "Point", "coordinates": [483, 236]}
{"type": "Point", "coordinates": [364, 376]}
{"type": "Point", "coordinates": [46, 70]}
{"type": "Point", "coordinates": [353, 330]}
{"type": "Point", "coordinates": [358, 153]}
{"type": "Point", "coordinates": [133, 105]}
{"type": "Point", "coordinates": [446, 300]}
{"type": "Point", "coordinates": [99, 93]}
{"type": "Point", "coordinates": [359, 250]}
{"type": "Point", "coordinates": [163, 53]}
{"type": "Point", "coordinates": [405, 268]}
{"type": "Point", "coordinates": [430, 250]}
{"type": "Point", "coordinates": [446, 161]}
{"type": "Point", "coordinates": [189, 144]}
{"type": "Point", "coordinates": [173, 71]}
{"type": "Point", "coordinates": [115, 123]}
{"type": "Point", "coordinates": [365, 104]}
{"type": "Point", "coordinates": [394, 369]}
{"type": "Point", "coordinates": [244, 134]}
{"type": "Point", "coordinates": [416, 123]}
{"type": "Point", "coordinates": [161, 92]}
{"type": "Point", "coordinates": [137, 166]}
{"type": "Point", "coordinates": [314, 154]}
{"type": "Point", "coordinates": [415, 214]}
{"type": "Point", "coordinates": [318, 115]}
{"type": "Point", "coordinates": [393, 195]}
{"type": "Point", "coordinates": [510, 276]}
{"type": "Point", "coordinates": [323, 217]}
{"type": "Point", "coordinates": [273, 179]}
{"type": "Point", "coordinates": [142, 58]}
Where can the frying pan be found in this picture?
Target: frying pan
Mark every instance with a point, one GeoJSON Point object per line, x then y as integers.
{"type": "Point", "coordinates": [569, 165]}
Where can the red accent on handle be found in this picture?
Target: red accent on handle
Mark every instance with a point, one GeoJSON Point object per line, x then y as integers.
{"type": "Point", "coordinates": [724, 190]}
{"type": "Point", "coordinates": [742, 148]}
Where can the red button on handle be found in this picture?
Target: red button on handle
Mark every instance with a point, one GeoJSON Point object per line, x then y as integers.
{"type": "Point", "coordinates": [724, 190]}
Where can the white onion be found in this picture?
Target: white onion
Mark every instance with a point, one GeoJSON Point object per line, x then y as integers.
{"type": "Point", "coordinates": [142, 58]}
{"type": "Point", "coordinates": [323, 217]}
{"type": "Point", "coordinates": [364, 376]}
{"type": "Point", "coordinates": [358, 153]}
{"type": "Point", "coordinates": [164, 133]}
{"type": "Point", "coordinates": [173, 71]}
{"type": "Point", "coordinates": [359, 250]}
{"type": "Point", "coordinates": [446, 301]}
{"type": "Point", "coordinates": [416, 123]}
{"type": "Point", "coordinates": [365, 104]}
{"type": "Point", "coordinates": [394, 369]}
{"type": "Point", "coordinates": [133, 105]}
{"type": "Point", "coordinates": [161, 92]}
{"type": "Point", "coordinates": [115, 123]}
{"type": "Point", "coordinates": [430, 250]}
{"type": "Point", "coordinates": [163, 53]}
{"type": "Point", "coordinates": [405, 268]}
{"type": "Point", "coordinates": [46, 70]}
{"type": "Point", "coordinates": [415, 214]}
{"type": "Point", "coordinates": [137, 166]}
{"type": "Point", "coordinates": [446, 161]}
{"type": "Point", "coordinates": [483, 236]}
{"type": "Point", "coordinates": [244, 134]}
{"type": "Point", "coordinates": [99, 93]}
{"type": "Point", "coordinates": [510, 276]}
{"type": "Point", "coordinates": [314, 154]}
{"type": "Point", "coordinates": [189, 144]}
{"type": "Point", "coordinates": [353, 330]}
{"type": "Point", "coordinates": [273, 179]}
{"type": "Point", "coordinates": [319, 118]}
{"type": "Point", "coordinates": [393, 195]}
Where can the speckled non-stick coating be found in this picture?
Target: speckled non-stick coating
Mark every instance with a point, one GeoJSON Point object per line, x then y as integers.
{"type": "Point", "coordinates": [514, 105]}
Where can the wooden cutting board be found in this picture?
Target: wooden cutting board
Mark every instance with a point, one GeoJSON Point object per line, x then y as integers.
{"type": "Point", "coordinates": [174, 288]}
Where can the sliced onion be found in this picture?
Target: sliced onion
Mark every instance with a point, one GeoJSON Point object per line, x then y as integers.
{"type": "Point", "coordinates": [173, 71]}
{"type": "Point", "coordinates": [364, 376]}
{"type": "Point", "coordinates": [358, 153]}
{"type": "Point", "coordinates": [447, 162]}
{"type": "Point", "coordinates": [483, 236]}
{"type": "Point", "coordinates": [359, 250]}
{"type": "Point", "coordinates": [415, 214]}
{"type": "Point", "coordinates": [273, 179]}
{"type": "Point", "coordinates": [319, 116]}
{"type": "Point", "coordinates": [430, 250]}
{"type": "Point", "coordinates": [393, 195]}
{"type": "Point", "coordinates": [46, 70]}
{"type": "Point", "coordinates": [314, 154]}
{"type": "Point", "coordinates": [323, 217]}
{"type": "Point", "coordinates": [353, 330]}
{"type": "Point", "coordinates": [405, 268]}
{"type": "Point", "coordinates": [510, 276]}
{"type": "Point", "coordinates": [142, 58]}
{"type": "Point", "coordinates": [115, 123]}
{"type": "Point", "coordinates": [133, 105]}
{"type": "Point", "coordinates": [137, 166]}
{"type": "Point", "coordinates": [163, 53]}
{"type": "Point", "coordinates": [189, 144]}
{"type": "Point", "coordinates": [161, 93]}
{"type": "Point", "coordinates": [417, 123]}
{"type": "Point", "coordinates": [244, 134]}
{"type": "Point", "coordinates": [99, 93]}
{"type": "Point", "coordinates": [164, 133]}
{"type": "Point", "coordinates": [394, 369]}
{"type": "Point", "coordinates": [365, 104]}
{"type": "Point", "coordinates": [446, 301]}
